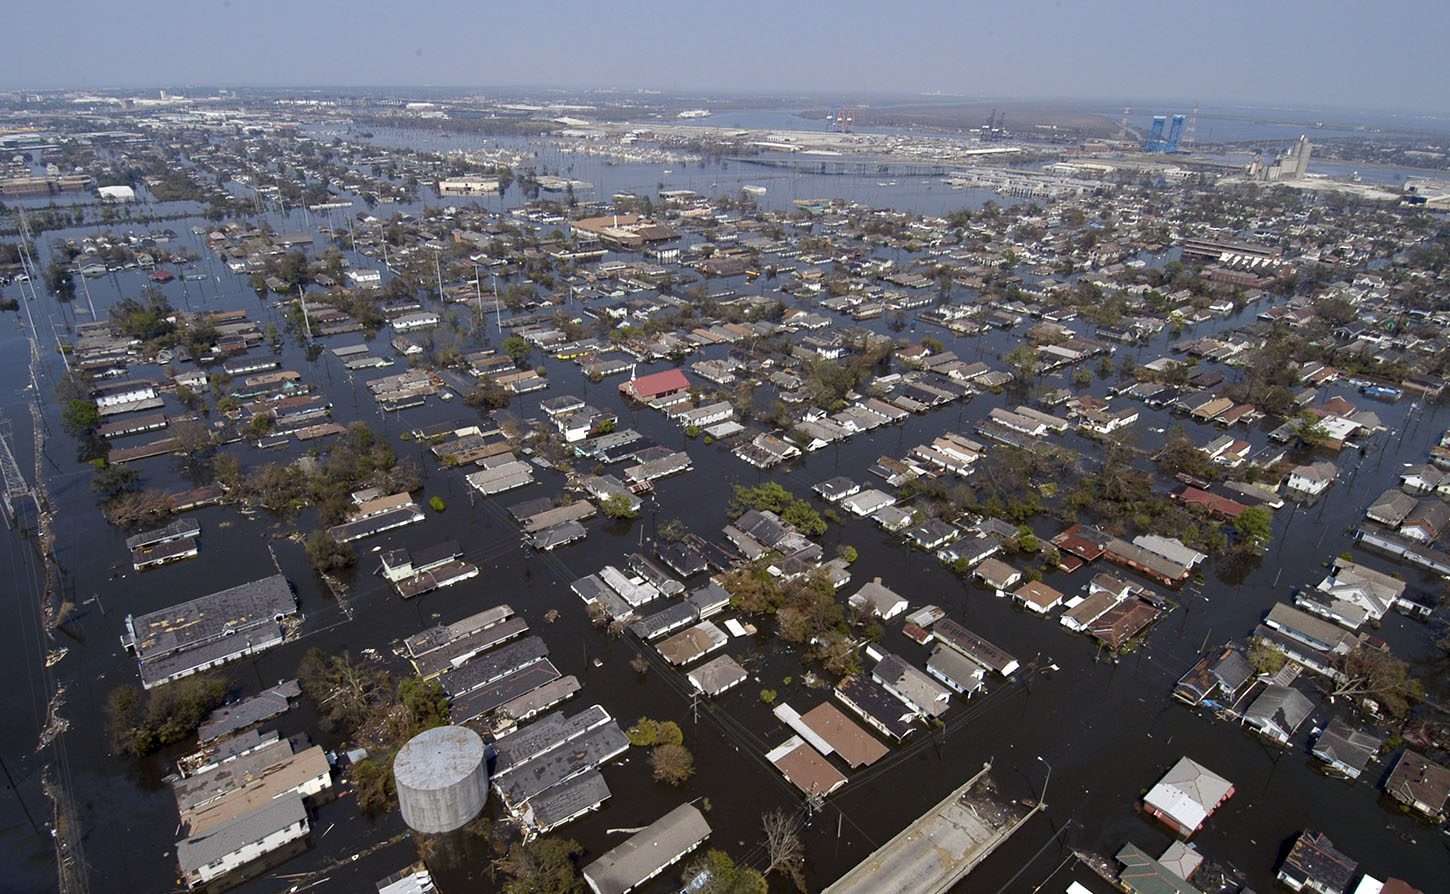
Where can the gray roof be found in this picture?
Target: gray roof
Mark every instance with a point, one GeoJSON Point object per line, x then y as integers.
{"type": "Point", "coordinates": [562, 762]}
{"type": "Point", "coordinates": [573, 796]}
{"type": "Point", "coordinates": [541, 735]}
{"type": "Point", "coordinates": [239, 715]}
{"type": "Point", "coordinates": [493, 665]}
{"type": "Point", "coordinates": [1279, 707]}
{"type": "Point", "coordinates": [229, 837]}
{"type": "Point", "coordinates": [717, 675]}
{"type": "Point", "coordinates": [647, 852]}
{"type": "Point", "coordinates": [208, 617]}
{"type": "Point", "coordinates": [905, 681]}
{"type": "Point", "coordinates": [1343, 744]}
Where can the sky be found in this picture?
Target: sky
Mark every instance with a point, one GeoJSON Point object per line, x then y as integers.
{"type": "Point", "coordinates": [1324, 54]}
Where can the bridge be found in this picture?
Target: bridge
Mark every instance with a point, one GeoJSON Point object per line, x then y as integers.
{"type": "Point", "coordinates": [939, 849]}
{"type": "Point", "coordinates": [846, 166]}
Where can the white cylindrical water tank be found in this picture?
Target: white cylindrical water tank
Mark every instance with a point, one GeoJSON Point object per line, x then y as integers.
{"type": "Point", "coordinates": [442, 777]}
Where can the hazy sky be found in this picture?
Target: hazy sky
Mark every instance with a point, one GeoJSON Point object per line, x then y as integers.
{"type": "Point", "coordinates": [1332, 53]}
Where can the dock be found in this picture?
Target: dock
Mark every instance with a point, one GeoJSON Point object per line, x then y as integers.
{"type": "Point", "coordinates": [935, 852]}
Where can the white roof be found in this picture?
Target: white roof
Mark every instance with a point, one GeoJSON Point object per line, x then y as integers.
{"type": "Point", "coordinates": [1188, 793]}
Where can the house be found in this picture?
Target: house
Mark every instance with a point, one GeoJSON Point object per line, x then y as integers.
{"type": "Point", "coordinates": [648, 852]}
{"type": "Point", "coordinates": [717, 675]}
{"type": "Point", "coordinates": [1313, 479]}
{"type": "Point", "coordinates": [1144, 875]}
{"type": "Point", "coordinates": [919, 692]}
{"type": "Point", "coordinates": [932, 534]}
{"type": "Point", "coordinates": [1313, 864]}
{"type": "Point", "coordinates": [1309, 630]}
{"type": "Point", "coordinates": [804, 767]}
{"type": "Point", "coordinates": [873, 704]}
{"type": "Point", "coordinates": [1426, 521]}
{"type": "Point", "coordinates": [248, 837]}
{"type": "Point", "coordinates": [1278, 712]}
{"type": "Point", "coordinates": [1218, 679]}
{"type": "Point", "coordinates": [1037, 596]}
{"type": "Point", "coordinates": [996, 574]}
{"type": "Point", "coordinates": [209, 631]}
{"type": "Point", "coordinates": [866, 502]}
{"type": "Point", "coordinates": [853, 744]}
{"type": "Point", "coordinates": [1170, 548]}
{"type": "Point", "coordinates": [1146, 562]}
{"type": "Point", "coordinates": [956, 670]}
{"type": "Point", "coordinates": [1083, 541]}
{"type": "Point", "coordinates": [971, 550]}
{"type": "Point", "coordinates": [834, 490]}
{"type": "Point", "coordinates": [1367, 592]}
{"type": "Point", "coordinates": [1391, 508]}
{"type": "Point", "coordinates": [1420, 784]}
{"type": "Point", "coordinates": [1344, 749]}
{"type": "Point", "coordinates": [1422, 479]}
{"type": "Point", "coordinates": [877, 599]}
{"type": "Point", "coordinates": [1187, 796]}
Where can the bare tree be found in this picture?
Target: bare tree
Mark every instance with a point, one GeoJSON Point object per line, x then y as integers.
{"type": "Point", "coordinates": [783, 845]}
{"type": "Point", "coordinates": [672, 764]}
{"type": "Point", "coordinates": [1368, 673]}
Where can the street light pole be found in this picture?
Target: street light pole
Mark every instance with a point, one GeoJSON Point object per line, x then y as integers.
{"type": "Point", "coordinates": [1043, 800]}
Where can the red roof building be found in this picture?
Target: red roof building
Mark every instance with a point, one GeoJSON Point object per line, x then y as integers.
{"type": "Point", "coordinates": [1192, 496]}
{"type": "Point", "coordinates": [655, 386]}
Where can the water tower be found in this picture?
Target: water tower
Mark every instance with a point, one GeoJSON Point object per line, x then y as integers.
{"type": "Point", "coordinates": [442, 777]}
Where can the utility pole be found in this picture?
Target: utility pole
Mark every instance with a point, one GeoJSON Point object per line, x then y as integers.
{"type": "Point", "coordinates": [1042, 801]}
{"type": "Point", "coordinates": [306, 322]}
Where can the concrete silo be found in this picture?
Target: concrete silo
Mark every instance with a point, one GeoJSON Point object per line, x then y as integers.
{"type": "Point", "coordinates": [442, 777]}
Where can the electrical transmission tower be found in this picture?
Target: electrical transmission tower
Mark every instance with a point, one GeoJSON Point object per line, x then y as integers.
{"type": "Point", "coordinates": [16, 490]}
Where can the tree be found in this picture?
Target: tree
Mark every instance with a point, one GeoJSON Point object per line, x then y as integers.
{"type": "Point", "coordinates": [372, 782]}
{"type": "Point", "coordinates": [58, 279]}
{"type": "Point", "coordinates": [541, 866]}
{"type": "Point", "coordinates": [343, 692]}
{"type": "Point", "coordinates": [1264, 657]}
{"type": "Point", "coordinates": [647, 732]}
{"type": "Point", "coordinates": [324, 553]}
{"type": "Point", "coordinates": [80, 416]}
{"type": "Point", "coordinates": [1311, 430]}
{"type": "Point", "coordinates": [425, 704]}
{"type": "Point", "coordinates": [1367, 673]}
{"type": "Point", "coordinates": [140, 722]}
{"type": "Point", "coordinates": [1254, 524]}
{"type": "Point", "coordinates": [111, 481]}
{"type": "Point", "coordinates": [517, 349]}
{"type": "Point", "coordinates": [618, 506]}
{"type": "Point", "coordinates": [722, 876]}
{"type": "Point", "coordinates": [1180, 454]}
{"type": "Point", "coordinates": [487, 395]}
{"type": "Point", "coordinates": [783, 847]}
{"type": "Point", "coordinates": [671, 763]}
{"type": "Point", "coordinates": [1023, 360]}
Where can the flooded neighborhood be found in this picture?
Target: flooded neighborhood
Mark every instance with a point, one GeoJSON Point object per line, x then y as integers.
{"type": "Point", "coordinates": [559, 492]}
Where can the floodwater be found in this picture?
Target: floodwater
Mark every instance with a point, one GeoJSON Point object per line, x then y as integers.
{"type": "Point", "coordinates": [1107, 730]}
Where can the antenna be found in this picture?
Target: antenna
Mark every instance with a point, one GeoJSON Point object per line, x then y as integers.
{"type": "Point", "coordinates": [1123, 127]}
{"type": "Point", "coordinates": [1188, 135]}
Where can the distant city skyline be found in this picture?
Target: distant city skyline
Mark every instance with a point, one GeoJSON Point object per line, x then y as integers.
{"type": "Point", "coordinates": [1328, 54]}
